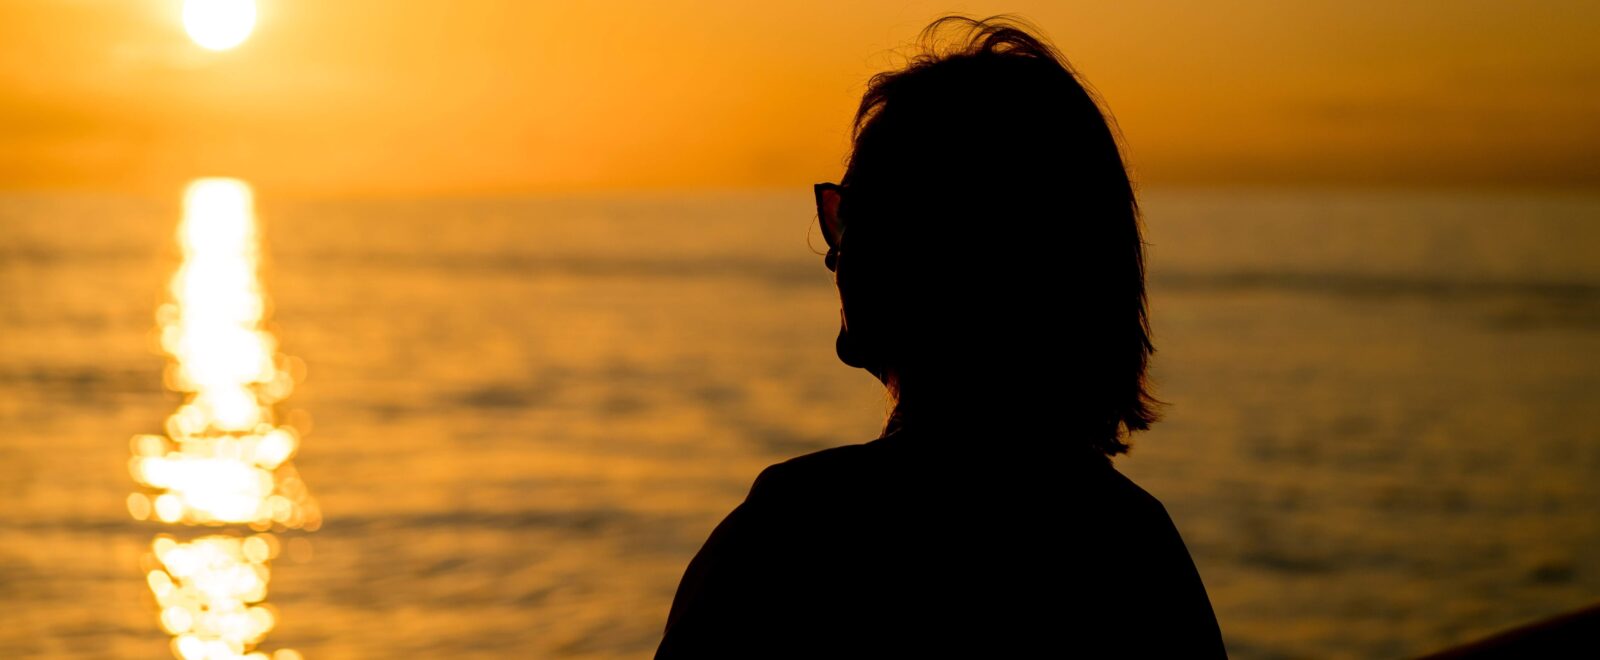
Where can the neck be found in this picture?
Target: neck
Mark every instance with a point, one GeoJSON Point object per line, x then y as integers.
{"type": "Point", "coordinates": [990, 410]}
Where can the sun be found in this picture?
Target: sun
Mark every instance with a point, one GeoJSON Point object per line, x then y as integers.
{"type": "Point", "coordinates": [219, 24]}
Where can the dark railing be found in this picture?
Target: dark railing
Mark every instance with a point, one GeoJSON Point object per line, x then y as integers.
{"type": "Point", "coordinates": [1575, 634]}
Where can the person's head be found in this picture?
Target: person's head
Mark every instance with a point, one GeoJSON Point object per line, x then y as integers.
{"type": "Point", "coordinates": [988, 255]}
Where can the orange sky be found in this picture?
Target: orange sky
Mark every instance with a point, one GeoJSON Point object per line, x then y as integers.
{"type": "Point", "coordinates": [419, 97]}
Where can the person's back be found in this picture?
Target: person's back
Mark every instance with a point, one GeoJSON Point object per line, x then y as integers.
{"type": "Point", "coordinates": [986, 248]}
{"type": "Point", "coordinates": [911, 545]}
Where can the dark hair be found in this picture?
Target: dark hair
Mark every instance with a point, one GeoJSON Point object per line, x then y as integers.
{"type": "Point", "coordinates": [986, 188]}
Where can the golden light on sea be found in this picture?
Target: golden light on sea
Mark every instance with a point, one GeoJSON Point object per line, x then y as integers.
{"type": "Point", "coordinates": [224, 461]}
{"type": "Point", "coordinates": [219, 24]}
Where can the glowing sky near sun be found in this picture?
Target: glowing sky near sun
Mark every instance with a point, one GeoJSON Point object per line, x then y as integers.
{"type": "Point", "coordinates": [381, 97]}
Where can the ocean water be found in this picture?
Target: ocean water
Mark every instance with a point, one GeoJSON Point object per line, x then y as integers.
{"type": "Point", "coordinates": [526, 415]}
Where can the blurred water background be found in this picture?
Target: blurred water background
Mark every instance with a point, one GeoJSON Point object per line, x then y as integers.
{"type": "Point", "coordinates": [1384, 431]}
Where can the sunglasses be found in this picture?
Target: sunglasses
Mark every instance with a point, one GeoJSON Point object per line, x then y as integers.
{"type": "Point", "coordinates": [828, 197]}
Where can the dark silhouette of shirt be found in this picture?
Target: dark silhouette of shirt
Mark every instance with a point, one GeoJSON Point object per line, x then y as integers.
{"type": "Point", "coordinates": [924, 546]}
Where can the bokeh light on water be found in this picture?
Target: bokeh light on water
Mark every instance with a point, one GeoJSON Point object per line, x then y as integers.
{"type": "Point", "coordinates": [224, 461]}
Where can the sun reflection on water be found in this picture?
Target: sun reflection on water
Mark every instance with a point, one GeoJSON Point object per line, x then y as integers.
{"type": "Point", "coordinates": [224, 461]}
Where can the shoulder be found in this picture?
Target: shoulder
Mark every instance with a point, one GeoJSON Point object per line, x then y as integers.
{"type": "Point", "coordinates": [1133, 496]}
{"type": "Point", "coordinates": [826, 470]}
{"type": "Point", "coordinates": [1142, 519]}
{"type": "Point", "coordinates": [1162, 577]}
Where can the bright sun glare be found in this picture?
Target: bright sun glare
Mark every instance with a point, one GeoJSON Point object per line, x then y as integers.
{"type": "Point", "coordinates": [224, 460]}
{"type": "Point", "coordinates": [219, 24]}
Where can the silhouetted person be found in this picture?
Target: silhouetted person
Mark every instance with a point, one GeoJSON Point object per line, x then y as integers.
{"type": "Point", "coordinates": [986, 246]}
